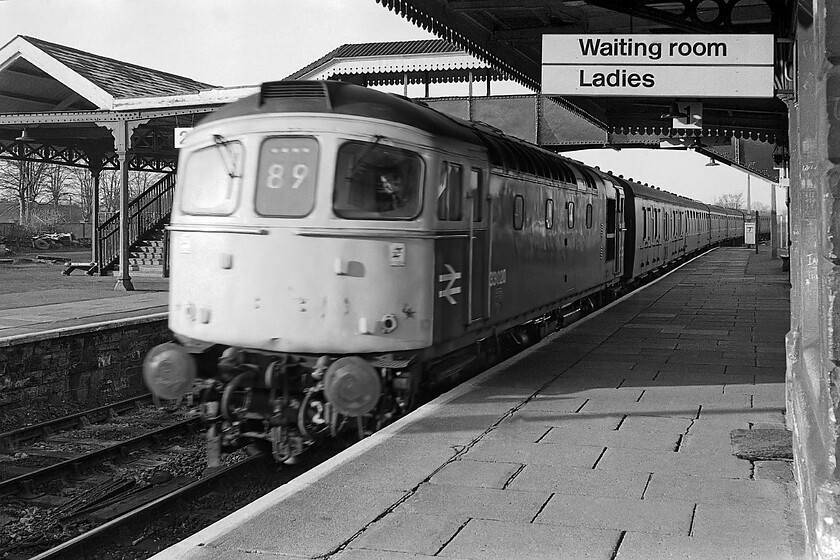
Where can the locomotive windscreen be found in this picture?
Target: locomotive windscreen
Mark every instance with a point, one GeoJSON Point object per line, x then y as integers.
{"type": "Point", "coordinates": [209, 183]}
{"type": "Point", "coordinates": [377, 182]}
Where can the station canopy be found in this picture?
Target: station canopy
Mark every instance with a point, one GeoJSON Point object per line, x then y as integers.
{"type": "Point", "coordinates": [508, 36]}
{"type": "Point", "coordinates": [63, 105]}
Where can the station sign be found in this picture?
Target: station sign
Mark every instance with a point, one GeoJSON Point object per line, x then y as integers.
{"type": "Point", "coordinates": [641, 65]}
{"type": "Point", "coordinates": [181, 135]}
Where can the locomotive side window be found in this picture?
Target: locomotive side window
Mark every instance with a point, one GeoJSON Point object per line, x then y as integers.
{"type": "Point", "coordinates": [549, 214]}
{"type": "Point", "coordinates": [450, 192]}
{"type": "Point", "coordinates": [209, 184]}
{"type": "Point", "coordinates": [570, 214]}
{"type": "Point", "coordinates": [476, 194]}
{"type": "Point", "coordinates": [518, 212]}
{"type": "Point", "coordinates": [588, 216]}
{"type": "Point", "coordinates": [286, 177]}
{"type": "Point", "coordinates": [376, 182]}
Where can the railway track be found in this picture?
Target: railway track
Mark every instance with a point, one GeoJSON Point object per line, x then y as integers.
{"type": "Point", "coordinates": [9, 440]}
{"type": "Point", "coordinates": [84, 500]}
{"type": "Point", "coordinates": [140, 512]}
{"type": "Point", "coordinates": [62, 477]}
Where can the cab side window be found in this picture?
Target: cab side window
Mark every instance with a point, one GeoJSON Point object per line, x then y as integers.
{"type": "Point", "coordinates": [450, 192]}
{"type": "Point", "coordinates": [476, 194]}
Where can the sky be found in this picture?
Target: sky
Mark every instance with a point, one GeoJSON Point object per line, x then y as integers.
{"type": "Point", "coordinates": [246, 42]}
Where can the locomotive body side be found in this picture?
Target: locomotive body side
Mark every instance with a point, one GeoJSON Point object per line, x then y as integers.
{"type": "Point", "coordinates": [548, 244]}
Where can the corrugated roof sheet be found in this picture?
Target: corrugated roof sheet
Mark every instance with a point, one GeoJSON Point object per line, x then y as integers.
{"type": "Point", "coordinates": [362, 50]}
{"type": "Point", "coordinates": [120, 79]}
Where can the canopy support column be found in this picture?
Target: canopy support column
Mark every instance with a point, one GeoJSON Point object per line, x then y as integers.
{"type": "Point", "coordinates": [95, 172]}
{"type": "Point", "coordinates": [122, 131]}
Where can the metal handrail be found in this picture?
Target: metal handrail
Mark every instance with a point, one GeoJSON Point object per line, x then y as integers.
{"type": "Point", "coordinates": [146, 212]}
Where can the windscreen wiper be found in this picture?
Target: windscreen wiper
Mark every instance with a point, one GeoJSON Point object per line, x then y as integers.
{"type": "Point", "coordinates": [228, 157]}
{"type": "Point", "coordinates": [362, 157]}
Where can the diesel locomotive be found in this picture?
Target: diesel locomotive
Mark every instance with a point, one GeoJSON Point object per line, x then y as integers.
{"type": "Point", "coordinates": [334, 249]}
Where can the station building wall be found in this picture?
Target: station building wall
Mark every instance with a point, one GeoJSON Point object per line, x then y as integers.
{"type": "Point", "coordinates": [813, 343]}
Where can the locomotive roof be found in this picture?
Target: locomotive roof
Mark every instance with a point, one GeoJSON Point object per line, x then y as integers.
{"type": "Point", "coordinates": [308, 96]}
{"type": "Point", "coordinates": [331, 96]}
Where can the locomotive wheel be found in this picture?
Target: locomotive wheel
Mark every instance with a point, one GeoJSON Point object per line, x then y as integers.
{"type": "Point", "coordinates": [168, 371]}
{"type": "Point", "coordinates": [352, 386]}
{"type": "Point", "coordinates": [228, 410]}
{"type": "Point", "coordinates": [313, 416]}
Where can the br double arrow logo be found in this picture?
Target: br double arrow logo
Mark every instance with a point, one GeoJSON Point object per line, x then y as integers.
{"type": "Point", "coordinates": [450, 290]}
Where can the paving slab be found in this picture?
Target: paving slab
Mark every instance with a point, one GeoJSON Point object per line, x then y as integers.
{"type": "Point", "coordinates": [733, 492]}
{"type": "Point", "coordinates": [405, 532]}
{"type": "Point", "coordinates": [769, 523]}
{"type": "Point", "coordinates": [482, 539]}
{"type": "Point", "coordinates": [625, 514]}
{"type": "Point", "coordinates": [700, 464]}
{"type": "Point", "coordinates": [653, 546]}
{"type": "Point", "coordinates": [632, 439]}
{"type": "Point", "coordinates": [477, 474]}
{"type": "Point", "coordinates": [485, 503]}
{"type": "Point", "coordinates": [510, 451]}
{"type": "Point", "coordinates": [580, 481]}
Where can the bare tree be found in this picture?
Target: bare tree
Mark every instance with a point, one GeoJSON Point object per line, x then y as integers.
{"type": "Point", "coordinates": [731, 200]}
{"type": "Point", "coordinates": [760, 206]}
{"type": "Point", "coordinates": [57, 184]}
{"type": "Point", "coordinates": [25, 181]}
{"type": "Point", "coordinates": [81, 181]}
{"type": "Point", "coordinates": [109, 191]}
{"type": "Point", "coordinates": [139, 181]}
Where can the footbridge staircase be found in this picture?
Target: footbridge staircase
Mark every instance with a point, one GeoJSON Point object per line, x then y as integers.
{"type": "Point", "coordinates": [148, 214]}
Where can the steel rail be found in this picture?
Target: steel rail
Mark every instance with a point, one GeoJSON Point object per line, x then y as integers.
{"type": "Point", "coordinates": [184, 492]}
{"type": "Point", "coordinates": [121, 449]}
{"type": "Point", "coordinates": [26, 433]}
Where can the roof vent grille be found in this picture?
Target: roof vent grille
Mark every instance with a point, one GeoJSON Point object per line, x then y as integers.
{"type": "Point", "coordinates": [295, 90]}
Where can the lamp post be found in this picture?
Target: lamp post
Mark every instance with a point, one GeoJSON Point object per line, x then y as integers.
{"type": "Point", "coordinates": [749, 205]}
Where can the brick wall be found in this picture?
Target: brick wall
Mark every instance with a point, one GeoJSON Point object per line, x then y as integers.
{"type": "Point", "coordinates": [78, 367]}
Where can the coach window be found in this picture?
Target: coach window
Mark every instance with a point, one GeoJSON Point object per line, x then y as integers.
{"type": "Point", "coordinates": [211, 181]}
{"type": "Point", "coordinates": [570, 214]}
{"type": "Point", "coordinates": [518, 212]}
{"type": "Point", "coordinates": [588, 216]}
{"type": "Point", "coordinates": [286, 177]}
{"type": "Point", "coordinates": [449, 192]}
{"type": "Point", "coordinates": [377, 182]}
{"type": "Point", "coordinates": [549, 214]}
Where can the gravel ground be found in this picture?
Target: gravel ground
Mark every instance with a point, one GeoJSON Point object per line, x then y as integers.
{"type": "Point", "coordinates": [24, 272]}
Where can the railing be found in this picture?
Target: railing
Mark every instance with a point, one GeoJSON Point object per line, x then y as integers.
{"type": "Point", "coordinates": [145, 213]}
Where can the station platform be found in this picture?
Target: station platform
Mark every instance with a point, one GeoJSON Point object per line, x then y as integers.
{"type": "Point", "coordinates": [612, 439]}
{"type": "Point", "coordinates": [36, 299]}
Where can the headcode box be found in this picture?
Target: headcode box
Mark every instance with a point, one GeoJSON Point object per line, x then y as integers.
{"type": "Point", "coordinates": [658, 65]}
